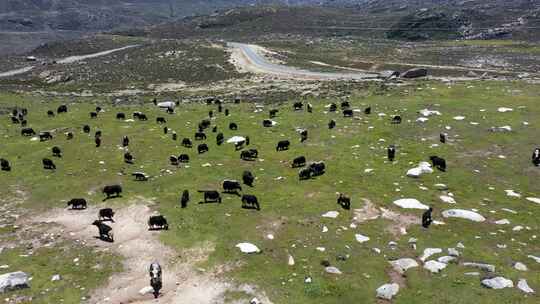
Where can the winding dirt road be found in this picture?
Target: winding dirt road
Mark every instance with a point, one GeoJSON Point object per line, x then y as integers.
{"type": "Point", "coordinates": [248, 57]}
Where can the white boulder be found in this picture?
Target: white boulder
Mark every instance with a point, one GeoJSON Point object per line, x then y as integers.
{"type": "Point", "coordinates": [403, 264]}
{"type": "Point", "coordinates": [533, 199]}
{"type": "Point", "coordinates": [447, 199]}
{"type": "Point", "coordinates": [332, 270]}
{"type": "Point", "coordinates": [410, 203]}
{"type": "Point", "coordinates": [464, 214]}
{"type": "Point", "coordinates": [512, 193]}
{"type": "Point", "coordinates": [429, 252]}
{"type": "Point", "coordinates": [387, 291]}
{"type": "Point", "coordinates": [146, 290]}
{"type": "Point", "coordinates": [520, 266]}
{"type": "Point", "coordinates": [504, 109]}
{"type": "Point", "coordinates": [248, 248]}
{"type": "Point", "coordinates": [361, 238]}
{"type": "Point", "coordinates": [434, 266]}
{"type": "Point", "coordinates": [13, 280]}
{"type": "Point", "coordinates": [427, 113]}
{"type": "Point", "coordinates": [331, 214]}
{"type": "Point", "coordinates": [498, 283]}
{"type": "Point", "coordinates": [523, 286]}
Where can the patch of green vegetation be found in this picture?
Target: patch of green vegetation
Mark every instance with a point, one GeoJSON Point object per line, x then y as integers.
{"type": "Point", "coordinates": [292, 209]}
{"type": "Point", "coordinates": [78, 277]}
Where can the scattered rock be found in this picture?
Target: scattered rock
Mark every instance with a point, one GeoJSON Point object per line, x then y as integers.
{"type": "Point", "coordinates": [512, 193]}
{"type": "Point", "coordinates": [248, 248]}
{"type": "Point", "coordinates": [453, 252]}
{"type": "Point", "coordinates": [403, 264]}
{"type": "Point", "coordinates": [332, 270]}
{"type": "Point", "coordinates": [523, 286]}
{"type": "Point", "coordinates": [387, 291]}
{"type": "Point", "coordinates": [533, 199]}
{"type": "Point", "coordinates": [464, 214]}
{"type": "Point", "coordinates": [503, 109]}
{"type": "Point", "coordinates": [422, 168]}
{"type": "Point", "coordinates": [331, 214]}
{"type": "Point", "coordinates": [13, 280]}
{"type": "Point", "coordinates": [429, 252]}
{"type": "Point", "coordinates": [146, 290]}
{"type": "Point", "coordinates": [447, 199]}
{"type": "Point", "coordinates": [291, 260]}
{"type": "Point", "coordinates": [361, 238]}
{"type": "Point", "coordinates": [56, 277]}
{"type": "Point", "coordinates": [441, 187]}
{"type": "Point", "coordinates": [520, 266]}
{"type": "Point", "coordinates": [410, 203]}
{"type": "Point", "coordinates": [537, 259]}
{"type": "Point", "coordinates": [502, 222]}
{"type": "Point", "coordinates": [446, 259]}
{"type": "Point", "coordinates": [434, 266]}
{"type": "Point", "coordinates": [482, 266]}
{"type": "Point", "coordinates": [497, 283]}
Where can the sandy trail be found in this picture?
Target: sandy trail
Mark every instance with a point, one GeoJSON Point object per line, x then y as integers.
{"type": "Point", "coordinates": [139, 247]}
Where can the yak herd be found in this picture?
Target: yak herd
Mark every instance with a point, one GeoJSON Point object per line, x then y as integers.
{"type": "Point", "coordinates": [230, 186]}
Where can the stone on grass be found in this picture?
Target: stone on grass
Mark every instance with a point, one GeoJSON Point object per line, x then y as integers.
{"type": "Point", "coordinates": [512, 193]}
{"type": "Point", "coordinates": [502, 222]}
{"type": "Point", "coordinates": [497, 283]}
{"type": "Point", "coordinates": [331, 214]}
{"type": "Point", "coordinates": [441, 187]}
{"type": "Point", "coordinates": [504, 109]}
{"type": "Point", "coordinates": [429, 252]}
{"type": "Point", "coordinates": [427, 113]}
{"type": "Point", "coordinates": [410, 203]}
{"type": "Point", "coordinates": [523, 286]}
{"type": "Point", "coordinates": [446, 259]}
{"type": "Point", "coordinates": [482, 266]}
{"type": "Point", "coordinates": [361, 238]}
{"type": "Point", "coordinates": [464, 214]}
{"type": "Point", "coordinates": [434, 266]}
{"type": "Point", "coordinates": [403, 264]}
{"type": "Point", "coordinates": [537, 259]}
{"type": "Point", "coordinates": [387, 291]}
{"type": "Point", "coordinates": [56, 277]}
{"type": "Point", "coordinates": [533, 199]}
{"type": "Point", "coordinates": [332, 270]}
{"type": "Point", "coordinates": [291, 260]}
{"type": "Point", "coordinates": [248, 248]}
{"type": "Point", "coordinates": [520, 266]}
{"type": "Point", "coordinates": [422, 168]}
{"type": "Point", "coordinates": [447, 199]}
{"type": "Point", "coordinates": [453, 252]}
{"type": "Point", "coordinates": [13, 280]}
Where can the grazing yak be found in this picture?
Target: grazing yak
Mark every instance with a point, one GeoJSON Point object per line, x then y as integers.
{"type": "Point", "coordinates": [396, 119]}
{"type": "Point", "coordinates": [128, 158]}
{"type": "Point", "coordinates": [248, 178]}
{"type": "Point", "coordinates": [15, 120]}
{"type": "Point", "coordinates": [28, 132]}
{"type": "Point", "coordinates": [98, 141]}
{"type": "Point", "coordinates": [297, 106]}
{"type": "Point", "coordinates": [185, 199]}
{"type": "Point", "coordinates": [121, 116]}
{"type": "Point", "coordinates": [62, 109]}
{"type": "Point", "coordinates": [105, 231]}
{"type": "Point", "coordinates": [348, 113]}
{"type": "Point", "coordinates": [202, 148]}
{"type": "Point", "coordinates": [309, 108]}
{"type": "Point", "coordinates": [200, 136]}
{"type": "Point", "coordinates": [186, 142]}
{"type": "Point", "coordinates": [250, 202]}
{"type": "Point", "coordinates": [4, 165]}
{"type": "Point", "coordinates": [300, 161]}
{"type": "Point", "coordinates": [112, 191]}
{"type": "Point", "coordinates": [43, 136]}
{"type": "Point", "coordinates": [220, 108]}
{"type": "Point", "coordinates": [333, 107]}
{"type": "Point", "coordinates": [48, 164]}
{"type": "Point", "coordinates": [157, 222]}
{"type": "Point", "coordinates": [233, 126]}
{"type": "Point", "coordinates": [210, 113]}
{"type": "Point", "coordinates": [86, 129]}
{"type": "Point", "coordinates": [125, 141]}
{"type": "Point", "coordinates": [106, 214]}
{"type": "Point", "coordinates": [174, 136]}
{"type": "Point", "coordinates": [205, 124]}
{"type": "Point", "coordinates": [536, 157]}
{"type": "Point", "coordinates": [391, 151]}
{"type": "Point", "coordinates": [143, 117]}
{"type": "Point", "coordinates": [77, 203]}
{"type": "Point", "coordinates": [93, 115]}
{"type": "Point", "coordinates": [273, 113]}
{"type": "Point", "coordinates": [345, 105]}
{"type": "Point", "coordinates": [442, 138]}
{"type": "Point", "coordinates": [98, 133]}
{"type": "Point", "coordinates": [173, 160]}
{"type": "Point", "coordinates": [69, 135]}
{"type": "Point", "coordinates": [250, 154]}
{"type": "Point", "coordinates": [426, 218]}
{"type": "Point", "coordinates": [283, 145]}
{"type": "Point", "coordinates": [367, 110]}
{"type": "Point", "coordinates": [169, 110]}
{"type": "Point", "coordinates": [56, 152]}
{"type": "Point", "coordinates": [183, 158]}
{"type": "Point", "coordinates": [317, 168]}
{"type": "Point", "coordinates": [140, 176]}
{"type": "Point", "coordinates": [161, 120]}
{"type": "Point", "coordinates": [226, 112]}
{"type": "Point", "coordinates": [24, 123]}
{"type": "Point", "coordinates": [438, 162]}
{"type": "Point", "coordinates": [344, 201]}
{"type": "Point", "coordinates": [304, 173]}
{"type": "Point", "coordinates": [50, 113]}
{"type": "Point", "coordinates": [303, 135]}
{"type": "Point", "coordinates": [219, 139]}
{"type": "Point", "coordinates": [231, 186]}
{"type": "Point", "coordinates": [214, 129]}
{"type": "Point", "coordinates": [155, 278]}
{"type": "Point", "coordinates": [267, 123]}
{"type": "Point", "coordinates": [210, 196]}
{"type": "Point", "coordinates": [331, 124]}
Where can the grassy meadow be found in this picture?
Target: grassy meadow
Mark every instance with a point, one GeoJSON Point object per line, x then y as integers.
{"type": "Point", "coordinates": [291, 209]}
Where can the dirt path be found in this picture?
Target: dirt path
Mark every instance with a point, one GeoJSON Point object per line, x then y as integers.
{"type": "Point", "coordinates": [182, 283]}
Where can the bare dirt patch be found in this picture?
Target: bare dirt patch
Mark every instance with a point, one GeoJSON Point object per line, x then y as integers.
{"type": "Point", "coordinates": [400, 222]}
{"type": "Point", "coordinates": [182, 283]}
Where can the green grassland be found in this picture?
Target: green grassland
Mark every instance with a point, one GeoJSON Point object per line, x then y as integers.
{"type": "Point", "coordinates": [291, 209]}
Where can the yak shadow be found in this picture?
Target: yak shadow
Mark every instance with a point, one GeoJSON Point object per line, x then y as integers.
{"type": "Point", "coordinates": [105, 239]}
{"type": "Point", "coordinates": [232, 192]}
{"type": "Point", "coordinates": [209, 202]}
